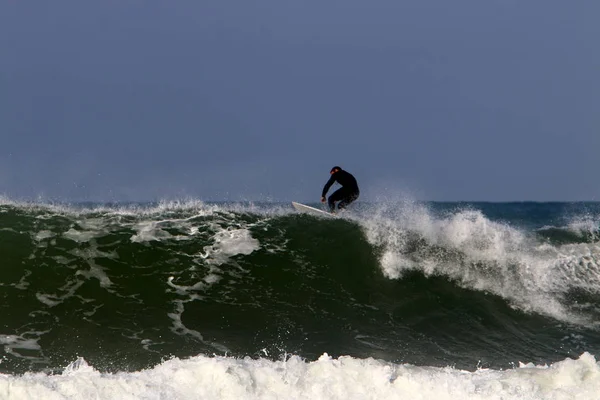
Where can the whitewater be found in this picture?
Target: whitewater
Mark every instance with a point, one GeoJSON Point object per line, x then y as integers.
{"type": "Point", "coordinates": [326, 378]}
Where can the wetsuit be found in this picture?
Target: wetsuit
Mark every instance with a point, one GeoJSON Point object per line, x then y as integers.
{"type": "Point", "coordinates": [346, 194]}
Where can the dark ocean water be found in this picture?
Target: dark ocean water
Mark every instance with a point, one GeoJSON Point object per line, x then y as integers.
{"type": "Point", "coordinates": [424, 296]}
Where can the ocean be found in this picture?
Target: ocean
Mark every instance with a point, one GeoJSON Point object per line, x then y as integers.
{"type": "Point", "coordinates": [394, 300]}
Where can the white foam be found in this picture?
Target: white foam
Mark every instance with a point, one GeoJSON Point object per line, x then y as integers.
{"type": "Point", "coordinates": [44, 234]}
{"type": "Point", "coordinates": [344, 378]}
{"type": "Point", "coordinates": [179, 328]}
{"type": "Point", "coordinates": [18, 342]}
{"type": "Point", "coordinates": [236, 241]}
{"type": "Point", "coordinates": [47, 299]}
{"type": "Point", "coordinates": [148, 231]}
{"type": "Point", "coordinates": [97, 272]}
{"type": "Point", "coordinates": [52, 300]}
{"type": "Point", "coordinates": [80, 236]}
{"type": "Point", "coordinates": [15, 344]}
{"type": "Point", "coordinates": [229, 243]}
{"type": "Point", "coordinates": [89, 255]}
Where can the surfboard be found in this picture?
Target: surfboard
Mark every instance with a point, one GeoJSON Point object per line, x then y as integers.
{"type": "Point", "coordinates": [311, 210]}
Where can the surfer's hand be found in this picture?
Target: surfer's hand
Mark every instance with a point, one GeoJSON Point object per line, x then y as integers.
{"type": "Point", "coordinates": [322, 199]}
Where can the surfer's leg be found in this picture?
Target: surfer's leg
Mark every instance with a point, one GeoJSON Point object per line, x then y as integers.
{"type": "Point", "coordinates": [331, 204]}
{"type": "Point", "coordinates": [348, 198]}
{"type": "Point", "coordinates": [336, 196]}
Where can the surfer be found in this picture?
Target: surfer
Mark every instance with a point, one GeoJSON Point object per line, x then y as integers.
{"type": "Point", "coordinates": [346, 194]}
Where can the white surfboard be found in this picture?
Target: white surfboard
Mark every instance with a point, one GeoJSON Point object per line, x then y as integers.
{"type": "Point", "coordinates": [311, 210]}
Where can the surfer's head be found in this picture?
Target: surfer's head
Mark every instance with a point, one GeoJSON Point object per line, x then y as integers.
{"type": "Point", "coordinates": [335, 169]}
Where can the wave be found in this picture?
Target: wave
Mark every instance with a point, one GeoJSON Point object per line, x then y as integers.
{"type": "Point", "coordinates": [580, 231]}
{"type": "Point", "coordinates": [491, 256]}
{"type": "Point", "coordinates": [404, 283]}
{"type": "Point", "coordinates": [537, 270]}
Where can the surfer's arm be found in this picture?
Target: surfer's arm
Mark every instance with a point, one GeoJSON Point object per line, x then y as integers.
{"type": "Point", "coordinates": [327, 186]}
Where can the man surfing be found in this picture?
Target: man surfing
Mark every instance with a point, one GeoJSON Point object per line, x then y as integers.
{"type": "Point", "coordinates": [346, 194]}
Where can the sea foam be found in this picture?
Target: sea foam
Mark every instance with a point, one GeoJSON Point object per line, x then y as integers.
{"type": "Point", "coordinates": [344, 378]}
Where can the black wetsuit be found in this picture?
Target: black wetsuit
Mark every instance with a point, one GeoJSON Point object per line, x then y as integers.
{"type": "Point", "coordinates": [346, 194]}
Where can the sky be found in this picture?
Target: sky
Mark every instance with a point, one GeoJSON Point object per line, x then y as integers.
{"type": "Point", "coordinates": [237, 100]}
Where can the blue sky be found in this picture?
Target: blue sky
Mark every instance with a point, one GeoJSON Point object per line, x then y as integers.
{"type": "Point", "coordinates": [256, 100]}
